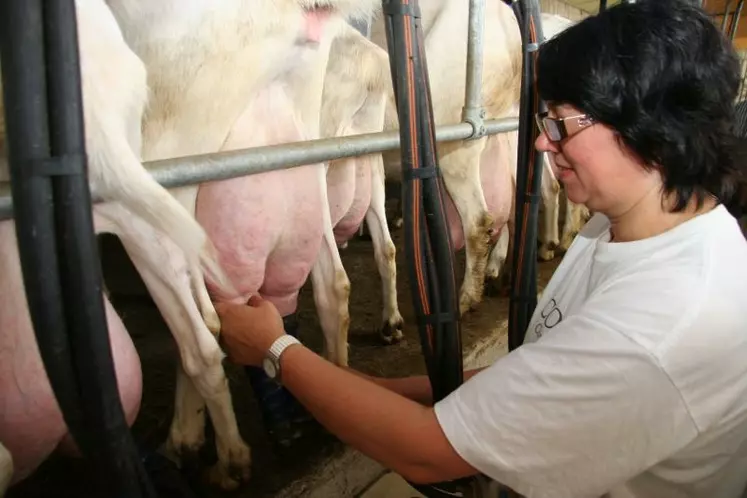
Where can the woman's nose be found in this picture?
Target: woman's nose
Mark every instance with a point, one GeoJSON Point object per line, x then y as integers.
{"type": "Point", "coordinates": [543, 144]}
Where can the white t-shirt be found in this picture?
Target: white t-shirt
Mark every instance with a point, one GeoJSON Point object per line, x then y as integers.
{"type": "Point", "coordinates": [632, 379]}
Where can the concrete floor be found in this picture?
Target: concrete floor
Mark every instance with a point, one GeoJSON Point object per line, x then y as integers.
{"type": "Point", "coordinates": [391, 485]}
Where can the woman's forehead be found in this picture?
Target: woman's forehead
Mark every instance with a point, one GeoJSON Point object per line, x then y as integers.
{"type": "Point", "coordinates": [561, 110]}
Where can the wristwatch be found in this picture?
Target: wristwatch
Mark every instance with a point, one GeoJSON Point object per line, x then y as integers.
{"type": "Point", "coordinates": [271, 363]}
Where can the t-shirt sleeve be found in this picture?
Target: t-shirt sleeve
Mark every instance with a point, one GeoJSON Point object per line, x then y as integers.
{"type": "Point", "coordinates": [578, 412]}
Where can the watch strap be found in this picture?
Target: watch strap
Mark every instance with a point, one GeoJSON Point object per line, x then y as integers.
{"type": "Point", "coordinates": [280, 344]}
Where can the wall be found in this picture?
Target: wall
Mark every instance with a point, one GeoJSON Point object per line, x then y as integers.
{"type": "Point", "coordinates": [562, 9]}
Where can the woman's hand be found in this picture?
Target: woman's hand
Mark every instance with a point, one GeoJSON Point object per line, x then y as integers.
{"type": "Point", "coordinates": [248, 330]}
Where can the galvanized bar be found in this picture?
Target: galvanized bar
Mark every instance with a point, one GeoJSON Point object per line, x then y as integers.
{"type": "Point", "coordinates": [736, 19]}
{"type": "Point", "coordinates": [726, 16]}
{"type": "Point", "coordinates": [473, 112]}
{"type": "Point", "coordinates": [182, 171]}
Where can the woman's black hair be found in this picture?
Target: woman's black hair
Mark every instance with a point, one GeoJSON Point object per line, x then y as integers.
{"type": "Point", "coordinates": [662, 75]}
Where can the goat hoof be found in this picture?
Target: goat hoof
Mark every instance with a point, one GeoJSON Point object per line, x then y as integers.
{"type": "Point", "coordinates": [221, 476]}
{"type": "Point", "coordinates": [467, 303]}
{"type": "Point", "coordinates": [391, 332]}
{"type": "Point", "coordinates": [234, 466]}
{"type": "Point", "coordinates": [545, 253]}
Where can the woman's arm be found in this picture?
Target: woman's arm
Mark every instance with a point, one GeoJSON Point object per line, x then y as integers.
{"type": "Point", "coordinates": [401, 434]}
{"type": "Point", "coordinates": [417, 388]}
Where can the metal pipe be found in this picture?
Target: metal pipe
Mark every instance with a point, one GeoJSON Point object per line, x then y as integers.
{"type": "Point", "coordinates": [736, 19]}
{"type": "Point", "coordinates": [182, 171]}
{"type": "Point", "coordinates": [726, 16]}
{"type": "Point", "coordinates": [473, 112]}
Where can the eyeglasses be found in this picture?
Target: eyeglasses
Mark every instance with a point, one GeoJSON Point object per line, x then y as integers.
{"type": "Point", "coordinates": [557, 129]}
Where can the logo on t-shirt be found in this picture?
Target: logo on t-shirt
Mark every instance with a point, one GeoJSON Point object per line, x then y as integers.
{"type": "Point", "coordinates": [550, 316]}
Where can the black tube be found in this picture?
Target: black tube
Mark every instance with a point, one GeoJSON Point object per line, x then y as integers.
{"type": "Point", "coordinates": [24, 95]}
{"type": "Point", "coordinates": [53, 223]}
{"type": "Point", "coordinates": [399, 70]}
{"type": "Point", "coordinates": [109, 441]}
{"type": "Point", "coordinates": [602, 5]}
{"type": "Point", "coordinates": [428, 246]}
{"type": "Point", "coordinates": [523, 298]}
{"type": "Point", "coordinates": [449, 343]}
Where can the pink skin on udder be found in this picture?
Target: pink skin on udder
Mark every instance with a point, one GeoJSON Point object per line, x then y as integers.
{"type": "Point", "coordinates": [267, 228]}
{"type": "Point", "coordinates": [31, 425]}
{"type": "Point", "coordinates": [497, 186]}
{"type": "Point", "coordinates": [349, 191]}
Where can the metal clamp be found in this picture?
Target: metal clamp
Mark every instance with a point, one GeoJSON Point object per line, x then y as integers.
{"type": "Point", "coordinates": [64, 165]}
{"type": "Point", "coordinates": [475, 117]}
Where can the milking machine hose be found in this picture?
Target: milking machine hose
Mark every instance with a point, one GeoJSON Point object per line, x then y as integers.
{"type": "Point", "coordinates": [529, 170]}
{"type": "Point", "coordinates": [54, 230]}
{"type": "Point", "coordinates": [428, 246]}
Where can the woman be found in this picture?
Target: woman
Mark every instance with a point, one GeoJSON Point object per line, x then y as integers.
{"type": "Point", "coordinates": [633, 377]}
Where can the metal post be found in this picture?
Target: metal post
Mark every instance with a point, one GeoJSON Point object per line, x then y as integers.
{"type": "Point", "coordinates": [735, 20]}
{"type": "Point", "coordinates": [726, 16]}
{"type": "Point", "coordinates": [191, 170]}
{"type": "Point", "coordinates": [473, 112]}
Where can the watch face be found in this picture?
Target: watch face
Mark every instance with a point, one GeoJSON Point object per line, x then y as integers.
{"type": "Point", "coordinates": [269, 367]}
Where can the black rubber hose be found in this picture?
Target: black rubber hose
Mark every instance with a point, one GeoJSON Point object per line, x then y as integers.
{"type": "Point", "coordinates": [109, 439]}
{"type": "Point", "coordinates": [428, 247]}
{"type": "Point", "coordinates": [434, 195]}
{"type": "Point", "coordinates": [53, 222]}
{"type": "Point", "coordinates": [528, 183]}
{"type": "Point", "coordinates": [429, 224]}
{"type": "Point", "coordinates": [24, 96]}
{"type": "Point", "coordinates": [398, 60]}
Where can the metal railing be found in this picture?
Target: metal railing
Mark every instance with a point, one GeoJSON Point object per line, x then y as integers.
{"type": "Point", "coordinates": [190, 170]}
